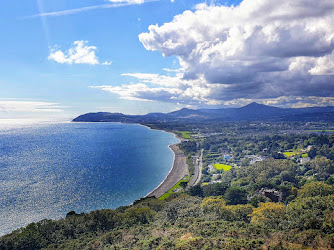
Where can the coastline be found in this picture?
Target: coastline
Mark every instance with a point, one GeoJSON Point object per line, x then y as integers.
{"type": "Point", "coordinates": [178, 171]}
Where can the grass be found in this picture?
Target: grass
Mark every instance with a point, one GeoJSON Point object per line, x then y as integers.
{"type": "Point", "coordinates": [222, 167]}
{"type": "Point", "coordinates": [293, 153]}
{"type": "Point", "coordinates": [211, 155]}
{"type": "Point", "coordinates": [185, 134]}
{"type": "Point", "coordinates": [290, 153]}
{"type": "Point", "coordinates": [170, 191]}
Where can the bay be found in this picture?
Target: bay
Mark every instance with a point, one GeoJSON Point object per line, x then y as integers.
{"type": "Point", "coordinates": [50, 169]}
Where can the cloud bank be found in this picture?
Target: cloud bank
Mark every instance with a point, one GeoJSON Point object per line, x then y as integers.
{"type": "Point", "coordinates": [79, 53]}
{"type": "Point", "coordinates": [258, 50]}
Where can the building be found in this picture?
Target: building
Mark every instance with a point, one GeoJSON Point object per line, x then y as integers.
{"type": "Point", "coordinates": [304, 160]}
{"type": "Point", "coordinates": [227, 157]}
{"type": "Point", "coordinates": [272, 194]}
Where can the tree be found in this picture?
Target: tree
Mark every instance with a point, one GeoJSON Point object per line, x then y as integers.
{"type": "Point", "coordinates": [269, 215]}
{"type": "Point", "coordinates": [213, 204]}
{"type": "Point", "coordinates": [310, 212]}
{"type": "Point", "coordinates": [313, 189]}
{"type": "Point", "coordinates": [215, 189]}
{"type": "Point", "coordinates": [196, 191]}
{"type": "Point", "coordinates": [183, 184]}
{"type": "Point", "coordinates": [235, 195]}
{"type": "Point", "coordinates": [256, 200]}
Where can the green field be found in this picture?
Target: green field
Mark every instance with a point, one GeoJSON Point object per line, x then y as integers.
{"type": "Point", "coordinates": [185, 134]}
{"type": "Point", "coordinates": [222, 167]}
{"type": "Point", "coordinates": [170, 191]}
{"type": "Point", "coordinates": [291, 153]}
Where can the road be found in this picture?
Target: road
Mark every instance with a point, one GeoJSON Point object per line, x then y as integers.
{"type": "Point", "coordinates": [198, 170]}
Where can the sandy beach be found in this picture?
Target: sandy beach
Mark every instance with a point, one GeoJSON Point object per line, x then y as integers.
{"type": "Point", "coordinates": [178, 171]}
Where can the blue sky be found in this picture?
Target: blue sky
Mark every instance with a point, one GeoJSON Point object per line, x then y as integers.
{"type": "Point", "coordinates": [39, 78]}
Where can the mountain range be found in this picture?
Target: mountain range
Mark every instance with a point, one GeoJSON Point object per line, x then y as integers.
{"type": "Point", "coordinates": [250, 112]}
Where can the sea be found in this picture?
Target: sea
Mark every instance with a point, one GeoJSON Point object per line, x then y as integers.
{"type": "Point", "coordinates": [49, 169]}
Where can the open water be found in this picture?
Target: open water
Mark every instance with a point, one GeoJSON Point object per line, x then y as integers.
{"type": "Point", "coordinates": [47, 170]}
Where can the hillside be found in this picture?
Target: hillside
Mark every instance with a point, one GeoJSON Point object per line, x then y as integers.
{"type": "Point", "coordinates": [250, 112]}
{"type": "Point", "coordinates": [212, 217]}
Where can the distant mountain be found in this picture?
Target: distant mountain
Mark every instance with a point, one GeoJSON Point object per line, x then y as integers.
{"type": "Point", "coordinates": [187, 113]}
{"type": "Point", "coordinates": [250, 112]}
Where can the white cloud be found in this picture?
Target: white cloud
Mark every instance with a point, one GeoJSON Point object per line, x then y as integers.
{"type": "Point", "coordinates": [323, 65]}
{"type": "Point", "coordinates": [140, 92]}
{"type": "Point", "coordinates": [256, 51]}
{"type": "Point", "coordinates": [9, 106]}
{"type": "Point", "coordinates": [107, 63]}
{"type": "Point", "coordinates": [198, 93]}
{"type": "Point", "coordinates": [79, 53]}
{"type": "Point", "coordinates": [155, 87]}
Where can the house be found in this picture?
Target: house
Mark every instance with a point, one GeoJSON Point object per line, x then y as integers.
{"type": "Point", "coordinates": [273, 194]}
{"type": "Point", "coordinates": [256, 158]}
{"type": "Point", "coordinates": [304, 160]}
{"type": "Point", "coordinates": [216, 176]}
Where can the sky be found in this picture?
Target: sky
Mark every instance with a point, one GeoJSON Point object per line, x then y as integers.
{"type": "Point", "coordinates": [60, 58]}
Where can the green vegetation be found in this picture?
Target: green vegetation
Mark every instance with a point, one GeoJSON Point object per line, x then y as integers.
{"type": "Point", "coordinates": [187, 222]}
{"type": "Point", "coordinates": [290, 154]}
{"type": "Point", "coordinates": [223, 167]}
{"type": "Point", "coordinates": [185, 134]}
{"type": "Point", "coordinates": [180, 185]}
{"type": "Point", "coordinates": [294, 153]}
{"type": "Point", "coordinates": [273, 202]}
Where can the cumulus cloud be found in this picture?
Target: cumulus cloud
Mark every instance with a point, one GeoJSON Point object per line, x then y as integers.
{"type": "Point", "coordinates": [199, 93]}
{"type": "Point", "coordinates": [79, 53]}
{"type": "Point", "coordinates": [258, 50]}
{"type": "Point", "coordinates": [141, 92]}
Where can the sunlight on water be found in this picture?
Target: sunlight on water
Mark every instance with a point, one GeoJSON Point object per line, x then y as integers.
{"type": "Point", "coordinates": [49, 169]}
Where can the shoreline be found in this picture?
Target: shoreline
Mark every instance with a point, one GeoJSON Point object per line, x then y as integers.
{"type": "Point", "coordinates": [178, 171]}
{"type": "Point", "coordinates": [179, 168]}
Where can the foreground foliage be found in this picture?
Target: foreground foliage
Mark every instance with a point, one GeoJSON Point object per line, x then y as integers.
{"type": "Point", "coordinates": [188, 222]}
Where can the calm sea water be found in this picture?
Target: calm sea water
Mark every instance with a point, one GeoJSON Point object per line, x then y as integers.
{"type": "Point", "coordinates": [51, 169]}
